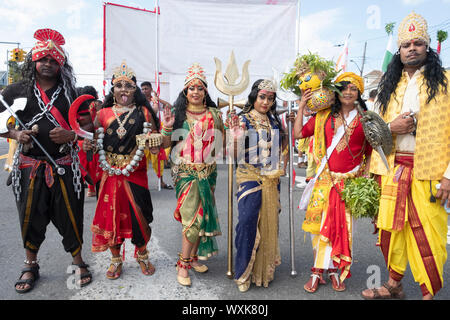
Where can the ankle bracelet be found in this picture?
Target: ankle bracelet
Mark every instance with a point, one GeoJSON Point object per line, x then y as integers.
{"type": "Point", "coordinates": [31, 262]}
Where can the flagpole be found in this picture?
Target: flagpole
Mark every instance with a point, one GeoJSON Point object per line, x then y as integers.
{"type": "Point", "coordinates": [157, 82]}
{"type": "Point", "coordinates": [157, 45]}
{"type": "Point", "coordinates": [297, 30]}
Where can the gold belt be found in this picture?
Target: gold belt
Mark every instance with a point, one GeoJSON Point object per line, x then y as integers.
{"type": "Point", "coordinates": [247, 172]}
{"type": "Point", "coordinates": [201, 170]}
{"type": "Point", "coordinates": [339, 176]}
{"type": "Point", "coordinates": [118, 160]}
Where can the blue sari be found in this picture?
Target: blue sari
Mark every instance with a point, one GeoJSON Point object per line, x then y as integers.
{"type": "Point", "coordinates": [258, 198]}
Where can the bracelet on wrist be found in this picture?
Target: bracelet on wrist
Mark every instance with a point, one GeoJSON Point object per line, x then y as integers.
{"type": "Point", "coordinates": [76, 137]}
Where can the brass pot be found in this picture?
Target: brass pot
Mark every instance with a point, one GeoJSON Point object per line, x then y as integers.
{"type": "Point", "coordinates": [321, 99]}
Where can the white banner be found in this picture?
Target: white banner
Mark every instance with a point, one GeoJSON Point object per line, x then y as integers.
{"type": "Point", "coordinates": [130, 35]}
{"type": "Point", "coordinates": [262, 31]}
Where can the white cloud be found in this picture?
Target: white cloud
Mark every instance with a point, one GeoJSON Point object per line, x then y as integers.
{"type": "Point", "coordinates": [310, 33]}
{"type": "Point", "coordinates": [414, 2]}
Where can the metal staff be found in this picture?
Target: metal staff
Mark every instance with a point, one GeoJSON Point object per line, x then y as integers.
{"type": "Point", "coordinates": [289, 97]}
{"type": "Point", "coordinates": [231, 89]}
{"type": "Point", "coordinates": [59, 170]}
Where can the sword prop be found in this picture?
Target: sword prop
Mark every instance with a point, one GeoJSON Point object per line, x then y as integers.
{"type": "Point", "coordinates": [73, 111]}
{"type": "Point", "coordinates": [231, 88]}
{"type": "Point", "coordinates": [377, 133]}
{"type": "Point", "coordinates": [59, 170]}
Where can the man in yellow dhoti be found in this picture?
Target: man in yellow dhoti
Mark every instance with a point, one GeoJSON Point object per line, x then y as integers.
{"type": "Point", "coordinates": [413, 99]}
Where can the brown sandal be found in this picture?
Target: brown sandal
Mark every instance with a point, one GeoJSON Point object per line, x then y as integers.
{"type": "Point", "coordinates": [115, 268]}
{"type": "Point", "coordinates": [394, 293]}
{"type": "Point", "coordinates": [314, 281]}
{"type": "Point", "coordinates": [335, 281]}
{"type": "Point", "coordinates": [144, 263]}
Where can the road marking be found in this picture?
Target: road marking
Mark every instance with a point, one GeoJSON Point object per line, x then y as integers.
{"type": "Point", "coordinates": [4, 156]}
{"type": "Point", "coordinates": [133, 285]}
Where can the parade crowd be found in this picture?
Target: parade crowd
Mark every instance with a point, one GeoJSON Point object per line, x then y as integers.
{"type": "Point", "coordinates": [68, 144]}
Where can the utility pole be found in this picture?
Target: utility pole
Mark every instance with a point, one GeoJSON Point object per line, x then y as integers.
{"type": "Point", "coordinates": [364, 58]}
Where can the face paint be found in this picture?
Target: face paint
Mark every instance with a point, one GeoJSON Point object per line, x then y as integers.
{"type": "Point", "coordinates": [47, 67]}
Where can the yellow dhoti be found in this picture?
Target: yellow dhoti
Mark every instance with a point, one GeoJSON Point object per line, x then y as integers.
{"type": "Point", "coordinates": [412, 228]}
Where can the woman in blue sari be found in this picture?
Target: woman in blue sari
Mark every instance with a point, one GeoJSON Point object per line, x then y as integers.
{"type": "Point", "coordinates": [258, 141]}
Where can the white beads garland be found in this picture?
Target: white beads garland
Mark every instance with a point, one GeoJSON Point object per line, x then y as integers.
{"type": "Point", "coordinates": [129, 167]}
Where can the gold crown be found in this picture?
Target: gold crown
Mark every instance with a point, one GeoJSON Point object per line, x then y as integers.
{"type": "Point", "coordinates": [195, 72]}
{"type": "Point", "coordinates": [123, 73]}
{"type": "Point", "coordinates": [268, 85]}
{"type": "Point", "coordinates": [414, 26]}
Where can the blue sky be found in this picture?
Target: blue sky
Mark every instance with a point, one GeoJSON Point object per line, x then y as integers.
{"type": "Point", "coordinates": [324, 24]}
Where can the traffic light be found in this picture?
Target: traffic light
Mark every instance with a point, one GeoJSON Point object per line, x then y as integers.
{"type": "Point", "coordinates": [14, 55]}
{"type": "Point", "coordinates": [18, 55]}
{"type": "Point", "coordinates": [22, 55]}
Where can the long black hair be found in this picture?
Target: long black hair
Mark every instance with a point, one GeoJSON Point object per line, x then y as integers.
{"type": "Point", "coordinates": [139, 99]}
{"type": "Point", "coordinates": [337, 106]}
{"type": "Point", "coordinates": [434, 75]}
{"type": "Point", "coordinates": [66, 77]}
{"type": "Point", "coordinates": [180, 106]}
{"type": "Point", "coordinates": [250, 104]}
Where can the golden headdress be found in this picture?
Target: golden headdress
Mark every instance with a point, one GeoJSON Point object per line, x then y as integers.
{"type": "Point", "coordinates": [352, 78]}
{"type": "Point", "coordinates": [414, 26]}
{"type": "Point", "coordinates": [49, 42]}
{"type": "Point", "coordinates": [123, 73]}
{"type": "Point", "coordinates": [195, 72]}
{"type": "Point", "coordinates": [268, 85]}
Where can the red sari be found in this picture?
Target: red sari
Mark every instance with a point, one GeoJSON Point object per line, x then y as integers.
{"type": "Point", "coordinates": [350, 153]}
{"type": "Point", "coordinates": [124, 207]}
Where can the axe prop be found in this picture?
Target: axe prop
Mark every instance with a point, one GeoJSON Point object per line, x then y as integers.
{"type": "Point", "coordinates": [20, 105]}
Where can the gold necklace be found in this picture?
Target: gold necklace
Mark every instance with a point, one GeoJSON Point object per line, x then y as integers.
{"type": "Point", "coordinates": [197, 138]}
{"type": "Point", "coordinates": [121, 131]}
{"type": "Point", "coordinates": [196, 109]}
{"type": "Point", "coordinates": [261, 120]}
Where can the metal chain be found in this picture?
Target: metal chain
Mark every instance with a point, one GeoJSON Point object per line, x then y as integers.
{"type": "Point", "coordinates": [76, 169]}
{"type": "Point", "coordinates": [16, 173]}
{"type": "Point", "coordinates": [45, 109]}
{"type": "Point", "coordinates": [73, 147]}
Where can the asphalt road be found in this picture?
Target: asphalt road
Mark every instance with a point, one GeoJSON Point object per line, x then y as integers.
{"type": "Point", "coordinates": [56, 282]}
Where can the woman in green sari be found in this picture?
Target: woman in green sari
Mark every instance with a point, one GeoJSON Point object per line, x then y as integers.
{"type": "Point", "coordinates": [197, 131]}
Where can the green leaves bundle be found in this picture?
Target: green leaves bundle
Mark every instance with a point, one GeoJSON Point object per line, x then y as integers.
{"type": "Point", "coordinates": [362, 197]}
{"type": "Point", "coordinates": [310, 63]}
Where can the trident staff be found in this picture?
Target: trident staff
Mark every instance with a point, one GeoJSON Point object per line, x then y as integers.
{"type": "Point", "coordinates": [231, 89]}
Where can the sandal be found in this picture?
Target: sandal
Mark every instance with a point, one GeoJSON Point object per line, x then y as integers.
{"type": "Point", "coordinates": [201, 268]}
{"type": "Point", "coordinates": [116, 262]}
{"type": "Point", "coordinates": [394, 293]}
{"type": "Point", "coordinates": [144, 263]}
{"type": "Point", "coordinates": [184, 264]}
{"type": "Point", "coordinates": [243, 287]}
{"type": "Point", "coordinates": [34, 270]}
{"type": "Point", "coordinates": [83, 275]}
{"type": "Point", "coordinates": [314, 281]}
{"type": "Point", "coordinates": [335, 281]}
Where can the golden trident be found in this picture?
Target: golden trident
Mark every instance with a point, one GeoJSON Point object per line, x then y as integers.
{"type": "Point", "coordinates": [231, 89]}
